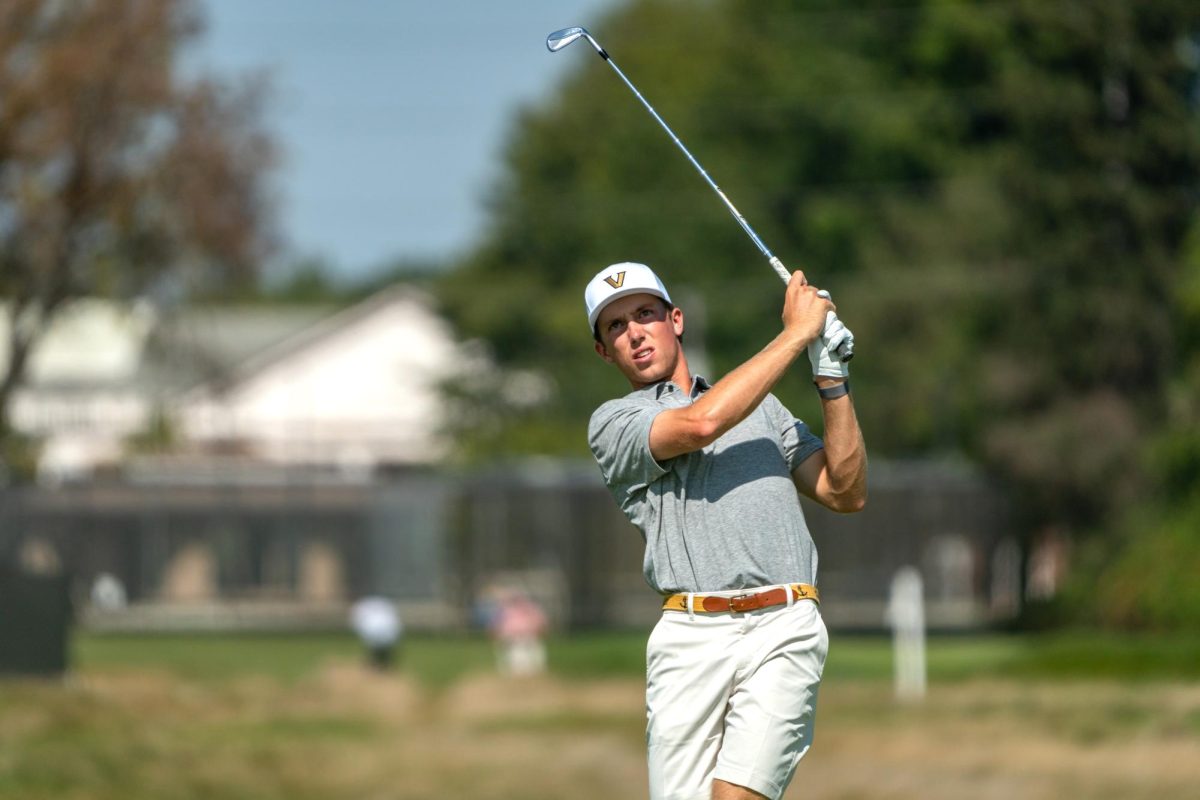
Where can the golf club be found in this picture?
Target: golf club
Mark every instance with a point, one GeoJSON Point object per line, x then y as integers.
{"type": "Point", "coordinates": [560, 39]}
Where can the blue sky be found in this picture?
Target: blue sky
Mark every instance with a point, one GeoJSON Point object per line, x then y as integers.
{"type": "Point", "coordinates": [391, 115]}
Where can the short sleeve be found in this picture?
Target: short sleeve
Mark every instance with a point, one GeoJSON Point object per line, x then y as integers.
{"type": "Point", "coordinates": [798, 441]}
{"type": "Point", "coordinates": [619, 436]}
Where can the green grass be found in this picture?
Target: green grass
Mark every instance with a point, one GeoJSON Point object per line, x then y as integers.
{"type": "Point", "coordinates": [1122, 656]}
{"type": "Point", "coordinates": [202, 657]}
{"type": "Point", "coordinates": [438, 661]}
{"type": "Point", "coordinates": [870, 657]}
{"type": "Point", "coordinates": [1065, 656]}
{"type": "Point", "coordinates": [598, 655]}
{"type": "Point", "coordinates": [435, 660]}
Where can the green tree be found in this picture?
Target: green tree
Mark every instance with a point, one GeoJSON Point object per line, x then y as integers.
{"type": "Point", "coordinates": [1150, 562]}
{"type": "Point", "coordinates": [997, 194]}
{"type": "Point", "coordinates": [1084, 118]}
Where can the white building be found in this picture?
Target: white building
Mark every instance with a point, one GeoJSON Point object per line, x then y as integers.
{"type": "Point", "coordinates": [359, 388]}
{"type": "Point", "coordinates": [355, 388]}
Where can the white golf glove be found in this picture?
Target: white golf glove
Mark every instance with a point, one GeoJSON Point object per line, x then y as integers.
{"type": "Point", "coordinates": [823, 351]}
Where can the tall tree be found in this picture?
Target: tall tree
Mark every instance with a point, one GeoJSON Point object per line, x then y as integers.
{"type": "Point", "coordinates": [1084, 115]}
{"type": "Point", "coordinates": [997, 194]}
{"type": "Point", "coordinates": [117, 174]}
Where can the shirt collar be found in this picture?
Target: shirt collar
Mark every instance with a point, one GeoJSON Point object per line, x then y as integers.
{"type": "Point", "coordinates": [699, 386]}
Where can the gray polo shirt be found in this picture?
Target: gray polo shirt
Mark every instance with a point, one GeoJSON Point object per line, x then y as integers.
{"type": "Point", "coordinates": [724, 517]}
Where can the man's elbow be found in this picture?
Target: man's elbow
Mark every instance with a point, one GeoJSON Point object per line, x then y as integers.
{"type": "Point", "coordinates": [849, 502]}
{"type": "Point", "coordinates": [684, 434]}
{"type": "Point", "coordinates": [702, 430]}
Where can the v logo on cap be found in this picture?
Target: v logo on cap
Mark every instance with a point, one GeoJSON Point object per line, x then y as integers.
{"type": "Point", "coordinates": [616, 281]}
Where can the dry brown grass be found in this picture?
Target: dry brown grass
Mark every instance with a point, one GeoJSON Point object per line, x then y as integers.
{"type": "Point", "coordinates": [999, 739]}
{"type": "Point", "coordinates": [349, 733]}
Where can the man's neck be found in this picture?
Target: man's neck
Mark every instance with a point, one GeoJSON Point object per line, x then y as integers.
{"type": "Point", "coordinates": [681, 376]}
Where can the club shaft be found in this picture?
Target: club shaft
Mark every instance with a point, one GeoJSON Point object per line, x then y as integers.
{"type": "Point", "coordinates": [561, 39]}
{"type": "Point", "coordinates": [775, 263]}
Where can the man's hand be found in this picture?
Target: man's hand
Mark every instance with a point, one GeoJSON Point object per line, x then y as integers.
{"type": "Point", "coordinates": [822, 351]}
{"type": "Point", "coordinates": [805, 309]}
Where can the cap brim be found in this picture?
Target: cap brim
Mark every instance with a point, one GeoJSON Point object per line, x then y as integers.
{"type": "Point", "coordinates": [617, 295]}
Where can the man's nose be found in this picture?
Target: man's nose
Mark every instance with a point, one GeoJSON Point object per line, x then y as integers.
{"type": "Point", "coordinates": [636, 331]}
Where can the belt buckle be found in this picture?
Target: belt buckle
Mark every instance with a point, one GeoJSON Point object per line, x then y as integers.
{"type": "Point", "coordinates": [745, 602]}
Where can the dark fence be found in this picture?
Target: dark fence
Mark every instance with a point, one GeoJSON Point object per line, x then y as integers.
{"type": "Point", "coordinates": [274, 549]}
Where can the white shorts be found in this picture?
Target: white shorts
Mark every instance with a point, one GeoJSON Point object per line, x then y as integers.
{"type": "Point", "coordinates": [732, 696]}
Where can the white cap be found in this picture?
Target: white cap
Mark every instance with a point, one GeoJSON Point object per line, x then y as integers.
{"type": "Point", "coordinates": [620, 280]}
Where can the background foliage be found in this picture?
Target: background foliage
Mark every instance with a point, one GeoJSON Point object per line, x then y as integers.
{"type": "Point", "coordinates": [1001, 196]}
{"type": "Point", "coordinates": [120, 176]}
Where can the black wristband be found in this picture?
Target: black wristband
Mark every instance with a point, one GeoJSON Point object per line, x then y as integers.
{"type": "Point", "coordinates": [835, 391]}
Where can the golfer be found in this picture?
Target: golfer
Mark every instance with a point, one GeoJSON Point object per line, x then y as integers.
{"type": "Point", "coordinates": [710, 475]}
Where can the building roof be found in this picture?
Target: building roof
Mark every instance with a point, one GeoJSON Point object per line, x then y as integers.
{"type": "Point", "coordinates": [300, 383]}
{"type": "Point", "coordinates": [94, 343]}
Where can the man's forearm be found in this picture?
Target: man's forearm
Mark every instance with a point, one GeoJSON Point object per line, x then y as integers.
{"type": "Point", "coordinates": [732, 398]}
{"type": "Point", "coordinates": [845, 452]}
{"type": "Point", "coordinates": [728, 402]}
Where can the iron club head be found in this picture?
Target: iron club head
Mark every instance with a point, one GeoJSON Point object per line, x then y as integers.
{"type": "Point", "coordinates": [560, 39]}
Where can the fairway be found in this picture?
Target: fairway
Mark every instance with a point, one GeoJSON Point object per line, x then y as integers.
{"type": "Point", "coordinates": [437, 660]}
{"type": "Point", "coordinates": [299, 717]}
{"type": "Point", "coordinates": [395, 405]}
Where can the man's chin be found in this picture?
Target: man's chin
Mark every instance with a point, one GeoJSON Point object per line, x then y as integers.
{"type": "Point", "coordinates": [644, 376]}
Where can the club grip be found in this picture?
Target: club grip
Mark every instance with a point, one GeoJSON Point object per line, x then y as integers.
{"type": "Point", "coordinates": [845, 350]}
{"type": "Point", "coordinates": [780, 269]}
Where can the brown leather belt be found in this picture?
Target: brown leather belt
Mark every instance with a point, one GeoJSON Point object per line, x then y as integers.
{"type": "Point", "coordinates": [751, 601]}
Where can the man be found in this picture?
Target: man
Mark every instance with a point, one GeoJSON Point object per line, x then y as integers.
{"type": "Point", "coordinates": [377, 623]}
{"type": "Point", "coordinates": [710, 475]}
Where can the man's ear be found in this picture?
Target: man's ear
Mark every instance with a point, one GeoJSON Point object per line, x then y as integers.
{"type": "Point", "coordinates": [677, 320]}
{"type": "Point", "coordinates": [602, 351]}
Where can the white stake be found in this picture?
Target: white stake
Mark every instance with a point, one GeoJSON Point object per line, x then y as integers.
{"type": "Point", "coordinates": [906, 615]}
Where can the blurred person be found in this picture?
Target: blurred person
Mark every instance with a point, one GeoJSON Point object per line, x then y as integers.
{"type": "Point", "coordinates": [518, 625]}
{"type": "Point", "coordinates": [108, 593]}
{"type": "Point", "coordinates": [378, 625]}
{"type": "Point", "coordinates": [711, 475]}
